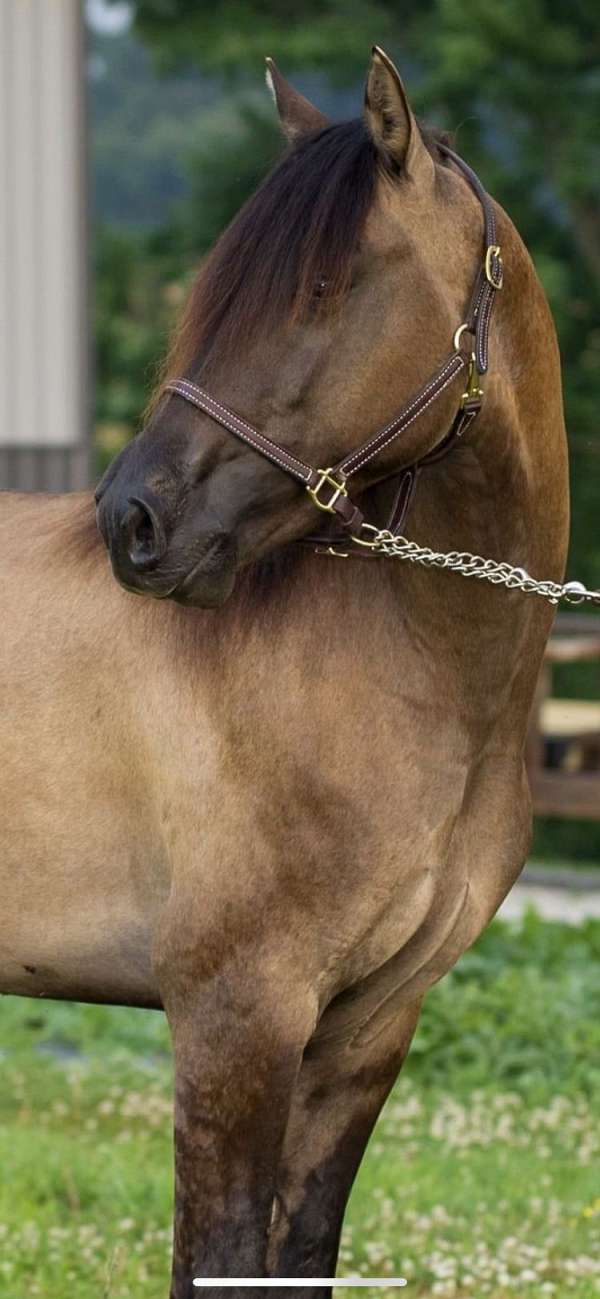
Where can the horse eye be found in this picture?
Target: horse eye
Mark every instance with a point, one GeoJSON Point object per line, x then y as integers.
{"type": "Point", "coordinates": [320, 287]}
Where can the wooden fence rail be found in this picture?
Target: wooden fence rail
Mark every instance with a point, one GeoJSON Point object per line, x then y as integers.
{"type": "Point", "coordinates": [563, 748]}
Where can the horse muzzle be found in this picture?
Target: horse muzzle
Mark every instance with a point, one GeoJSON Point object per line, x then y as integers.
{"type": "Point", "coordinates": [149, 557]}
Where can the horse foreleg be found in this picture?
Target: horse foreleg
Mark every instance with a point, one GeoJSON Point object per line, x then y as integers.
{"type": "Point", "coordinates": [238, 1035]}
{"type": "Point", "coordinates": [346, 1075]}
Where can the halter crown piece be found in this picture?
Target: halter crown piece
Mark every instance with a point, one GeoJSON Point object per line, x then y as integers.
{"type": "Point", "coordinates": [328, 488]}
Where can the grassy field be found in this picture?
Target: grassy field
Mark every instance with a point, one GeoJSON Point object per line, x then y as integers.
{"type": "Point", "coordinates": [482, 1178]}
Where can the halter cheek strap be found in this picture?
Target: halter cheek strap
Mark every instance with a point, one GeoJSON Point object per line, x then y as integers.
{"type": "Point", "coordinates": [328, 487]}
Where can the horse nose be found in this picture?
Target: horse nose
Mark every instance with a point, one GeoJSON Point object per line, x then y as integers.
{"type": "Point", "coordinates": [142, 534]}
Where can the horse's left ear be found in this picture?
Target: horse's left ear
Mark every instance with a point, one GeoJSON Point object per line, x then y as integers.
{"type": "Point", "coordinates": [390, 118]}
{"type": "Point", "coordinates": [297, 115]}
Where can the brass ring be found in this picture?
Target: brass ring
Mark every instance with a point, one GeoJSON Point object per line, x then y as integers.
{"type": "Point", "coordinates": [361, 541]}
{"type": "Point", "coordinates": [462, 329]}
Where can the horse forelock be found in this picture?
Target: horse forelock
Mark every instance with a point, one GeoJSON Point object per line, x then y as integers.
{"type": "Point", "coordinates": [288, 252]}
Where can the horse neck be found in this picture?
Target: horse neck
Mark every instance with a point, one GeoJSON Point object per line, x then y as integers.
{"type": "Point", "coordinates": [501, 495]}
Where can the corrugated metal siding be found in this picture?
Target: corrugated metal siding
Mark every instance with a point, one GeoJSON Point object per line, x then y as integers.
{"type": "Point", "coordinates": [44, 469]}
{"type": "Point", "coordinates": [43, 314]}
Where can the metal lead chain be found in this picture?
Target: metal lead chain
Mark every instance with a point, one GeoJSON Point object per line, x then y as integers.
{"type": "Point", "coordinates": [487, 570]}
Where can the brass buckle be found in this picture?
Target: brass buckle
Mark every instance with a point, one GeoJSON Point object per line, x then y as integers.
{"type": "Point", "coordinates": [473, 390]}
{"type": "Point", "coordinates": [493, 253]}
{"type": "Point", "coordinates": [339, 489]}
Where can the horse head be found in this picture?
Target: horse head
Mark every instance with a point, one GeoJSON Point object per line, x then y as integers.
{"type": "Point", "coordinates": [324, 306]}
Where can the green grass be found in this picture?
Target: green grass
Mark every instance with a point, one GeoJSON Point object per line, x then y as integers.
{"type": "Point", "coordinates": [482, 1178]}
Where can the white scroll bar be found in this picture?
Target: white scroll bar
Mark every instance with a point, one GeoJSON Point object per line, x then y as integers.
{"type": "Point", "coordinates": [375, 1281]}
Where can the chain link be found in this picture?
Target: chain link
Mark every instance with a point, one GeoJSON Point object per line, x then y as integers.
{"type": "Point", "coordinates": [486, 570]}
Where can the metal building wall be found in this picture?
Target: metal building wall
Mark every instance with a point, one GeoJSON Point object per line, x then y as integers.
{"type": "Point", "coordinates": [44, 361]}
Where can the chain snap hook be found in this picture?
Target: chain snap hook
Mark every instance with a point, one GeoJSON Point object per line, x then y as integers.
{"type": "Point", "coordinates": [574, 592]}
{"type": "Point", "coordinates": [473, 390]}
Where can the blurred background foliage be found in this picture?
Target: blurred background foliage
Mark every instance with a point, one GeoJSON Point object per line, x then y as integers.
{"type": "Point", "coordinates": [183, 129]}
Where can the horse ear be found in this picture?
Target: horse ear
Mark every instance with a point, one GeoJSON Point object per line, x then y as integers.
{"type": "Point", "coordinates": [297, 115]}
{"type": "Point", "coordinates": [389, 116]}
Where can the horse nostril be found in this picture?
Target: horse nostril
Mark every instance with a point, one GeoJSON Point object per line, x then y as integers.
{"type": "Point", "coordinates": [143, 534]}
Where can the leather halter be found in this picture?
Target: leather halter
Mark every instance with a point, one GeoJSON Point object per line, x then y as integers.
{"type": "Point", "coordinates": [328, 487]}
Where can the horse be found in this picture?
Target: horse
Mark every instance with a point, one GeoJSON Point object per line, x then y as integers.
{"type": "Point", "coordinates": [273, 792]}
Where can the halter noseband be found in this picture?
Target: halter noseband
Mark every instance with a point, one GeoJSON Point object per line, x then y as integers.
{"type": "Point", "coordinates": [328, 487]}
